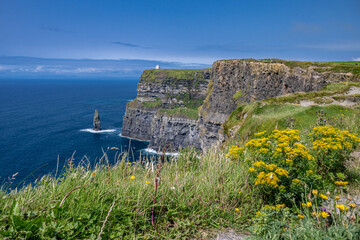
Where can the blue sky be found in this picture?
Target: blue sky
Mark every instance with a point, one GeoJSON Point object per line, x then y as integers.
{"type": "Point", "coordinates": [181, 31]}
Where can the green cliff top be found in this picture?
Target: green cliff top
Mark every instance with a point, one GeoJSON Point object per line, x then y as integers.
{"type": "Point", "coordinates": [158, 75]}
{"type": "Point", "coordinates": [341, 66]}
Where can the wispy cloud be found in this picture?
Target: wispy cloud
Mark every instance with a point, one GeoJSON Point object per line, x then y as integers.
{"type": "Point", "coordinates": [124, 44]}
{"type": "Point", "coordinates": [306, 28]}
{"type": "Point", "coordinates": [356, 59]}
{"type": "Point", "coordinates": [23, 67]}
{"type": "Point", "coordinates": [345, 46]}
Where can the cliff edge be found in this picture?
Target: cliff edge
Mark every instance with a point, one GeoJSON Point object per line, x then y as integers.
{"type": "Point", "coordinates": [165, 111]}
{"type": "Point", "coordinates": [180, 108]}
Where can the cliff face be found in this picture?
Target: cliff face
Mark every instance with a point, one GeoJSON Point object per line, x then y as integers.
{"type": "Point", "coordinates": [165, 110]}
{"type": "Point", "coordinates": [241, 81]}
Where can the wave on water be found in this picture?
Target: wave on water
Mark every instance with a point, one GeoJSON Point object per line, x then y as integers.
{"type": "Point", "coordinates": [90, 130]}
{"type": "Point", "coordinates": [153, 151]}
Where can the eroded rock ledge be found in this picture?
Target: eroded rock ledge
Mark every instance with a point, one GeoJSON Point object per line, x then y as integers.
{"type": "Point", "coordinates": [165, 111]}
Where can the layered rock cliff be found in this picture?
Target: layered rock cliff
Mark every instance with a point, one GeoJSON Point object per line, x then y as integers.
{"type": "Point", "coordinates": [241, 81]}
{"type": "Point", "coordinates": [165, 111]}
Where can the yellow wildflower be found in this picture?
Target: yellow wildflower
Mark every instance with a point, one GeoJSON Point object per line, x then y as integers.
{"type": "Point", "coordinates": [132, 177]}
{"type": "Point", "coordinates": [252, 169]}
{"type": "Point", "coordinates": [279, 206]}
{"type": "Point", "coordinates": [352, 205]}
{"type": "Point", "coordinates": [325, 214]}
{"type": "Point", "coordinates": [301, 216]}
{"type": "Point", "coordinates": [323, 196]}
{"type": "Point", "coordinates": [307, 204]}
{"type": "Point", "coordinates": [236, 209]}
{"type": "Point", "coordinates": [337, 197]}
{"type": "Point", "coordinates": [341, 183]}
{"type": "Point", "coordinates": [281, 172]}
{"type": "Point", "coordinates": [315, 192]}
{"type": "Point", "coordinates": [147, 182]}
{"type": "Point", "coordinates": [128, 163]}
{"type": "Point", "coordinates": [342, 207]}
{"type": "Point", "coordinates": [93, 174]}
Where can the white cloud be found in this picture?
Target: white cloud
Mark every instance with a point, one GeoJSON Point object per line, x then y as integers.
{"type": "Point", "coordinates": [356, 59]}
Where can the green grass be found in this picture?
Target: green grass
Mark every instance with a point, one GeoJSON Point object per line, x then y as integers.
{"type": "Point", "coordinates": [183, 112]}
{"type": "Point", "coordinates": [152, 104]}
{"type": "Point", "coordinates": [196, 194]}
{"type": "Point", "coordinates": [159, 75]}
{"type": "Point", "coordinates": [260, 117]}
{"type": "Point", "coordinates": [329, 90]}
{"type": "Point", "coordinates": [336, 67]}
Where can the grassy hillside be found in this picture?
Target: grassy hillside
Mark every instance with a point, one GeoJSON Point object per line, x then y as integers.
{"type": "Point", "coordinates": [285, 111]}
{"type": "Point", "coordinates": [197, 194]}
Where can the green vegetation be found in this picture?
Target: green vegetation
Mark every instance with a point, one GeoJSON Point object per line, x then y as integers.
{"type": "Point", "coordinates": [328, 91]}
{"type": "Point", "coordinates": [285, 163]}
{"type": "Point", "coordinates": [341, 67]}
{"type": "Point", "coordinates": [183, 112]}
{"type": "Point", "coordinates": [160, 75]}
{"type": "Point", "coordinates": [195, 195]}
{"type": "Point", "coordinates": [261, 117]}
{"type": "Point", "coordinates": [152, 104]}
{"type": "Point", "coordinates": [238, 94]}
{"type": "Point", "coordinates": [190, 101]}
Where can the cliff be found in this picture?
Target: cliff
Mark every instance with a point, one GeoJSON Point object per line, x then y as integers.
{"type": "Point", "coordinates": [235, 82]}
{"type": "Point", "coordinates": [165, 111]}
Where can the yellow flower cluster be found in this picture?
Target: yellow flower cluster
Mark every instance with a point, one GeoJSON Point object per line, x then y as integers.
{"type": "Point", "coordinates": [258, 143]}
{"type": "Point", "coordinates": [260, 134]}
{"type": "Point", "coordinates": [341, 183]}
{"type": "Point", "coordinates": [277, 207]}
{"type": "Point", "coordinates": [307, 204]}
{"type": "Point", "coordinates": [298, 150]}
{"type": "Point", "coordinates": [342, 207]}
{"type": "Point", "coordinates": [269, 179]}
{"type": "Point", "coordinates": [235, 152]}
{"type": "Point", "coordinates": [272, 177]}
{"type": "Point", "coordinates": [326, 144]}
{"type": "Point", "coordinates": [330, 138]}
{"type": "Point", "coordinates": [322, 214]}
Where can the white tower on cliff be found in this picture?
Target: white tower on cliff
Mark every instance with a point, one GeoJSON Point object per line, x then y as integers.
{"type": "Point", "coordinates": [157, 67]}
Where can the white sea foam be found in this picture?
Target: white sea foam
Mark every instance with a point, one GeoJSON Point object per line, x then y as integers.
{"type": "Point", "coordinates": [90, 130]}
{"type": "Point", "coordinates": [153, 151]}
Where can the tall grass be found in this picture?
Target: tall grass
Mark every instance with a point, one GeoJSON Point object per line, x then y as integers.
{"type": "Point", "coordinates": [195, 193]}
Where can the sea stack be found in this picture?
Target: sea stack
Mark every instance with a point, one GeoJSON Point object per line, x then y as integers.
{"type": "Point", "coordinates": [97, 121]}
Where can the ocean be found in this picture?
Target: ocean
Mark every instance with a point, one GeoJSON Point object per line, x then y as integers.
{"type": "Point", "coordinates": [43, 123]}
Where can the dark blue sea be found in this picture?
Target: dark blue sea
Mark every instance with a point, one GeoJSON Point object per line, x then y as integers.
{"type": "Point", "coordinates": [42, 121]}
